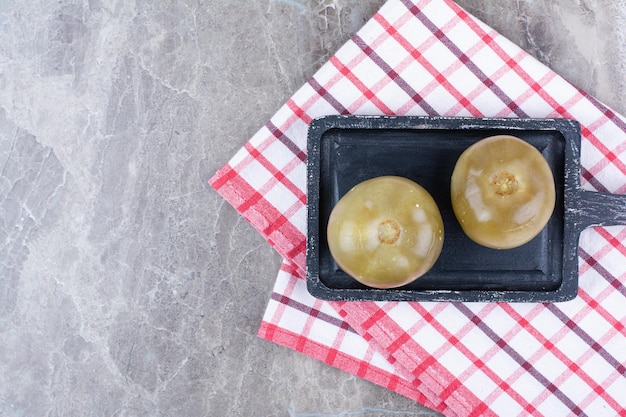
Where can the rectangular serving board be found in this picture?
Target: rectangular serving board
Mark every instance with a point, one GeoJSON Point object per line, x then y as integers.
{"type": "Point", "coordinates": [346, 150]}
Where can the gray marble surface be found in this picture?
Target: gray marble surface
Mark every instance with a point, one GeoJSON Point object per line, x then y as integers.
{"type": "Point", "coordinates": [128, 287]}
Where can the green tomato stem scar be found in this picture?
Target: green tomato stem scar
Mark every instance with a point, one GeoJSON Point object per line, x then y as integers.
{"type": "Point", "coordinates": [504, 183]}
{"type": "Point", "coordinates": [388, 231]}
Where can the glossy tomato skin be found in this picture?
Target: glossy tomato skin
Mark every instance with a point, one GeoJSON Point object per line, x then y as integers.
{"type": "Point", "coordinates": [385, 232]}
{"type": "Point", "coordinates": [502, 192]}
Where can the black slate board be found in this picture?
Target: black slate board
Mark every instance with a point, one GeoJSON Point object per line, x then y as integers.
{"type": "Point", "coordinates": [346, 150]}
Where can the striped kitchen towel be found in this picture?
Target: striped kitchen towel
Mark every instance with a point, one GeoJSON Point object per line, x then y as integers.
{"type": "Point", "coordinates": [430, 57]}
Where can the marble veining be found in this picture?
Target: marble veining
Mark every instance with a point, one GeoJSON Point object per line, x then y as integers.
{"type": "Point", "coordinates": [128, 287]}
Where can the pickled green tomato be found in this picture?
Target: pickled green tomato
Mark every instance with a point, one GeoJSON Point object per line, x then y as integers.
{"type": "Point", "coordinates": [502, 192]}
{"type": "Point", "coordinates": [385, 232]}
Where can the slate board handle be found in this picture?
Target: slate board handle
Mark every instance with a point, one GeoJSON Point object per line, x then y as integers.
{"type": "Point", "coordinates": [599, 209]}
